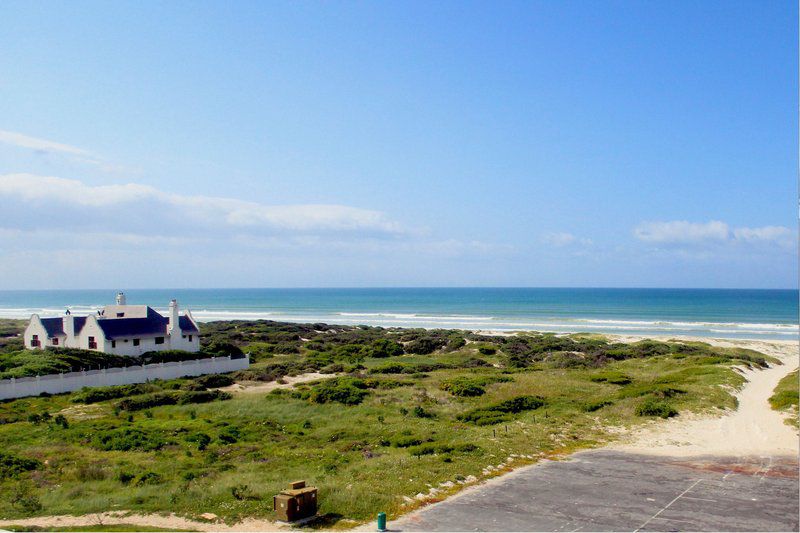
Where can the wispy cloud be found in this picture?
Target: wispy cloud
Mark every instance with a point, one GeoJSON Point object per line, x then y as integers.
{"type": "Point", "coordinates": [682, 232]}
{"type": "Point", "coordinates": [563, 239]}
{"type": "Point", "coordinates": [150, 207]}
{"type": "Point", "coordinates": [44, 146]}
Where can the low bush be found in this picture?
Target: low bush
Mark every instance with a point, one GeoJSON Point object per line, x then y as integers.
{"type": "Point", "coordinates": [156, 399]}
{"type": "Point", "coordinates": [212, 381]}
{"type": "Point", "coordinates": [611, 376]}
{"type": "Point", "coordinates": [128, 439]}
{"type": "Point", "coordinates": [13, 465]}
{"type": "Point", "coordinates": [100, 394]}
{"type": "Point", "coordinates": [655, 407]}
{"type": "Point", "coordinates": [590, 407]}
{"type": "Point", "coordinates": [465, 387]}
{"type": "Point", "coordinates": [432, 448]}
{"type": "Point", "coordinates": [345, 390]}
{"type": "Point", "coordinates": [403, 441]}
{"type": "Point", "coordinates": [494, 414]}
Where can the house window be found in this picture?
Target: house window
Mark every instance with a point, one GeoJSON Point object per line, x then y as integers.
{"type": "Point", "coordinates": [55, 341]}
{"type": "Point", "coordinates": [35, 340]}
{"type": "Point", "coordinates": [183, 336]}
{"type": "Point", "coordinates": [120, 315]}
{"type": "Point", "coordinates": [136, 342]}
{"type": "Point", "coordinates": [190, 338]}
{"type": "Point", "coordinates": [92, 343]}
{"type": "Point", "coordinates": [113, 344]}
{"type": "Point", "coordinates": [159, 340]}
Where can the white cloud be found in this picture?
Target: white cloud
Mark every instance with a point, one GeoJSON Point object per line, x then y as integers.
{"type": "Point", "coordinates": [767, 234]}
{"type": "Point", "coordinates": [682, 232]}
{"type": "Point", "coordinates": [563, 239]}
{"type": "Point", "coordinates": [148, 206]}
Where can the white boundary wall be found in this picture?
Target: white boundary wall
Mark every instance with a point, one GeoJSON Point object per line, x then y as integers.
{"type": "Point", "coordinates": [72, 381]}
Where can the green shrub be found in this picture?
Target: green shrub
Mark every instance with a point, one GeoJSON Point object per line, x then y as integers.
{"type": "Point", "coordinates": [420, 412]}
{"type": "Point", "coordinates": [229, 435]}
{"type": "Point", "coordinates": [655, 407]}
{"type": "Point", "coordinates": [465, 387]}
{"type": "Point", "coordinates": [590, 407]}
{"type": "Point", "coordinates": [494, 414]}
{"type": "Point", "coordinates": [487, 350]}
{"type": "Point", "coordinates": [101, 394]}
{"type": "Point", "coordinates": [611, 376]}
{"type": "Point", "coordinates": [201, 439]}
{"type": "Point", "coordinates": [432, 448]}
{"type": "Point", "coordinates": [384, 348]}
{"type": "Point", "coordinates": [156, 399]}
{"type": "Point", "coordinates": [345, 390]}
{"type": "Point", "coordinates": [128, 439]}
{"type": "Point", "coordinates": [405, 441]}
{"type": "Point", "coordinates": [13, 465]}
{"type": "Point", "coordinates": [222, 349]}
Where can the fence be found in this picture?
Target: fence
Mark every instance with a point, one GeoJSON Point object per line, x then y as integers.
{"type": "Point", "coordinates": [71, 381]}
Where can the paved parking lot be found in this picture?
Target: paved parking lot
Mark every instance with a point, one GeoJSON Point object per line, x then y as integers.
{"type": "Point", "coordinates": [617, 491]}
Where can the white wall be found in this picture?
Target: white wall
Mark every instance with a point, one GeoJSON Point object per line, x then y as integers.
{"type": "Point", "coordinates": [72, 381]}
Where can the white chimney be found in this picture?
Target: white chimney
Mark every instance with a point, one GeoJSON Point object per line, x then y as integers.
{"type": "Point", "coordinates": [174, 321]}
{"type": "Point", "coordinates": [69, 327]}
{"type": "Point", "coordinates": [120, 298]}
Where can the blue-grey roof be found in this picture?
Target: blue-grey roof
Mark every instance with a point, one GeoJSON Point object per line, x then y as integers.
{"type": "Point", "coordinates": [115, 328]}
{"type": "Point", "coordinates": [54, 327]}
{"type": "Point", "coordinates": [80, 321]}
{"type": "Point", "coordinates": [186, 324]}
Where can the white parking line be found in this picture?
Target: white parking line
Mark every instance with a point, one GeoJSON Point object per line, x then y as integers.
{"type": "Point", "coordinates": [693, 485]}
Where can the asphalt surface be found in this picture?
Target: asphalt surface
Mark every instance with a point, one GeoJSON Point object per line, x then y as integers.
{"type": "Point", "coordinates": [617, 491]}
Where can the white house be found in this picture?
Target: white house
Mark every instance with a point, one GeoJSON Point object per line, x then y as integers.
{"type": "Point", "coordinates": [119, 329]}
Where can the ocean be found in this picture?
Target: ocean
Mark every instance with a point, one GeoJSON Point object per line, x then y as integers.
{"type": "Point", "coordinates": [728, 313]}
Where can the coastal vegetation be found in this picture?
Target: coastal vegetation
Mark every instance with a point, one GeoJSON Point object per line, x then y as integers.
{"type": "Point", "coordinates": [391, 418]}
{"type": "Point", "coordinates": [787, 396]}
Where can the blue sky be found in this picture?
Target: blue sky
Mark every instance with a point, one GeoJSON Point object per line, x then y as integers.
{"type": "Point", "coordinates": [211, 144]}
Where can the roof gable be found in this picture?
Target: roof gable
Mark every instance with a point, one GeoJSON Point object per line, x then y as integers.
{"type": "Point", "coordinates": [186, 324]}
{"type": "Point", "coordinates": [53, 326]}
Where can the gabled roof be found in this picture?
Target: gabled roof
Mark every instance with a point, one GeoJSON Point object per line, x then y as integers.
{"type": "Point", "coordinates": [186, 324]}
{"type": "Point", "coordinates": [80, 321]}
{"type": "Point", "coordinates": [153, 325]}
{"type": "Point", "coordinates": [54, 327]}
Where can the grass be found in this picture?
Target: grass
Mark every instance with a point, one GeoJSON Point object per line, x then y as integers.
{"type": "Point", "coordinates": [369, 440]}
{"type": "Point", "coordinates": [786, 397]}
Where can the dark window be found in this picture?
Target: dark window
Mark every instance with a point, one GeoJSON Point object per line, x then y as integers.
{"type": "Point", "coordinates": [159, 340]}
{"type": "Point", "coordinates": [136, 342]}
{"type": "Point", "coordinates": [35, 340]}
{"type": "Point", "coordinates": [55, 341]}
{"type": "Point", "coordinates": [120, 315]}
{"type": "Point", "coordinates": [92, 344]}
{"type": "Point", "coordinates": [113, 344]}
{"type": "Point", "coordinates": [183, 336]}
{"type": "Point", "coordinates": [190, 338]}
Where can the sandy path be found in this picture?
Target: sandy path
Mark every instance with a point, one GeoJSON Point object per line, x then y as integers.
{"type": "Point", "coordinates": [258, 387]}
{"type": "Point", "coordinates": [170, 521]}
{"type": "Point", "coordinates": [753, 429]}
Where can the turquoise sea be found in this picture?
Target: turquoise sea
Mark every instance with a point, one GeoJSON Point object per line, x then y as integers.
{"type": "Point", "coordinates": [731, 313]}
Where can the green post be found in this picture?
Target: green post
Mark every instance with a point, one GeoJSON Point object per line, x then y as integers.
{"type": "Point", "coordinates": [381, 522]}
